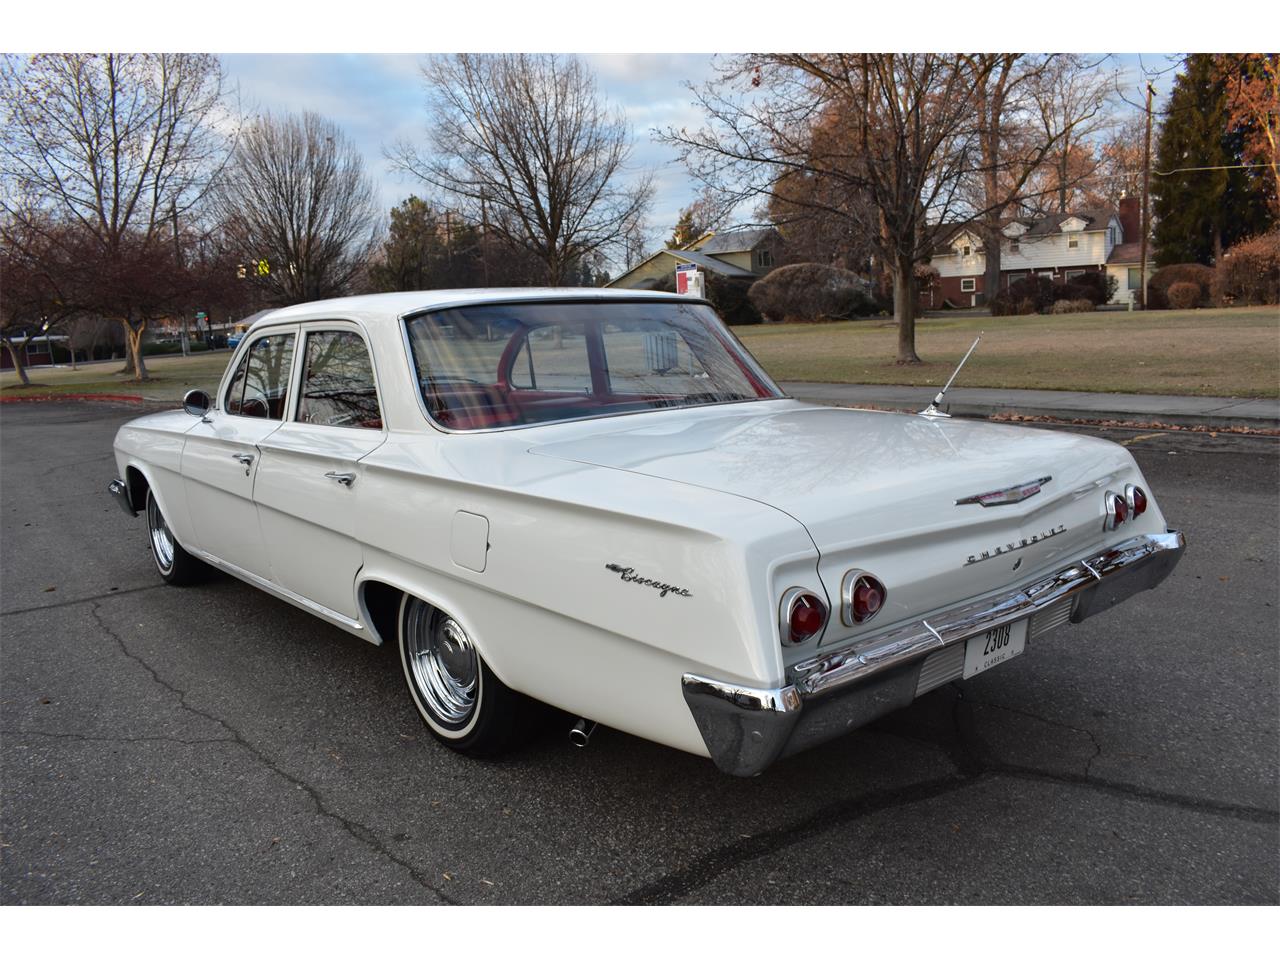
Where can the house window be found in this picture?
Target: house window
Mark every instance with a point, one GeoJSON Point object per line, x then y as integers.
{"type": "Point", "coordinates": [1013, 278]}
{"type": "Point", "coordinates": [1111, 236]}
{"type": "Point", "coordinates": [1073, 241]}
{"type": "Point", "coordinates": [966, 250]}
{"type": "Point", "coordinates": [764, 258]}
{"type": "Point", "coordinates": [1014, 246]}
{"type": "Point", "coordinates": [1135, 278]}
{"type": "Point", "coordinates": [967, 285]}
{"type": "Point", "coordinates": [1072, 274]}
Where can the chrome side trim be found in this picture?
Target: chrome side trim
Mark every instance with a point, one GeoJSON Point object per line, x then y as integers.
{"type": "Point", "coordinates": [120, 490]}
{"type": "Point", "coordinates": [281, 593]}
{"type": "Point", "coordinates": [1153, 554]}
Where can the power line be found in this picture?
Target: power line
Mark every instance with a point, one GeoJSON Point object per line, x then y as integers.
{"type": "Point", "coordinates": [1231, 166]}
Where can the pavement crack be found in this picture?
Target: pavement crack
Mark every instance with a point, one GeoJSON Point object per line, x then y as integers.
{"type": "Point", "coordinates": [705, 869]}
{"type": "Point", "coordinates": [87, 738]}
{"type": "Point", "coordinates": [1097, 747]}
{"type": "Point", "coordinates": [72, 603]}
{"type": "Point", "coordinates": [352, 828]}
{"type": "Point", "coordinates": [1238, 811]}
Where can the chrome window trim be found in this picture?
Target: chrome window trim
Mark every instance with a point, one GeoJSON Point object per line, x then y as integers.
{"type": "Point", "coordinates": [337, 325]}
{"type": "Point", "coordinates": [404, 318]}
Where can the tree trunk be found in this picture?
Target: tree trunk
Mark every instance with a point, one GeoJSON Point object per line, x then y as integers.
{"type": "Point", "coordinates": [17, 362]}
{"type": "Point", "coordinates": [991, 257]}
{"type": "Point", "coordinates": [133, 338]}
{"type": "Point", "coordinates": [904, 308]}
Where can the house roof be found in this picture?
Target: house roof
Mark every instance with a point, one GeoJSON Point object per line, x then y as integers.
{"type": "Point", "coordinates": [1128, 253]}
{"type": "Point", "coordinates": [1044, 226]}
{"type": "Point", "coordinates": [710, 264]}
{"type": "Point", "coordinates": [1036, 226]}
{"type": "Point", "coordinates": [736, 241]}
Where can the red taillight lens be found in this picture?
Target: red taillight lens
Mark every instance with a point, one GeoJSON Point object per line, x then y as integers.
{"type": "Point", "coordinates": [1121, 510]}
{"type": "Point", "coordinates": [862, 596]}
{"type": "Point", "coordinates": [1139, 502]}
{"type": "Point", "coordinates": [868, 598]}
{"type": "Point", "coordinates": [807, 618]}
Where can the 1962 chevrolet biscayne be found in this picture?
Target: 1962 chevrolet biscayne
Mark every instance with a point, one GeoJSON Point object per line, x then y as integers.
{"type": "Point", "coordinates": [600, 501]}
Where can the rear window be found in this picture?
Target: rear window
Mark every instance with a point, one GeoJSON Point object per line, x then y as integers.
{"type": "Point", "coordinates": [501, 365]}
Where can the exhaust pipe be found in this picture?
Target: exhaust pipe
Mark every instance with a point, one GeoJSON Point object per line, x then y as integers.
{"type": "Point", "coordinates": [580, 733]}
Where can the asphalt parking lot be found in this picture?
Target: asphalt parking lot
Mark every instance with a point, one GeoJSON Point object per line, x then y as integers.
{"type": "Point", "coordinates": [214, 745]}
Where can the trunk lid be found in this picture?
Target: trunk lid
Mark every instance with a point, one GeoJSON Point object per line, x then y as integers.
{"type": "Point", "coordinates": [878, 491]}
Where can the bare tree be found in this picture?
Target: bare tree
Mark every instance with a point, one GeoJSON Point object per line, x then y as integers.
{"type": "Point", "coordinates": [296, 198]}
{"type": "Point", "coordinates": [524, 144]}
{"type": "Point", "coordinates": [110, 149]}
{"type": "Point", "coordinates": [1032, 114]}
{"type": "Point", "coordinates": [895, 129]}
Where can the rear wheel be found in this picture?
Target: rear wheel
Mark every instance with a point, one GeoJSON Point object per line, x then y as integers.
{"type": "Point", "coordinates": [175, 565]}
{"type": "Point", "coordinates": [464, 705]}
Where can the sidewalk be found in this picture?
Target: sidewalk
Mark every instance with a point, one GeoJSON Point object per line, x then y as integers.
{"type": "Point", "coordinates": [1219, 412]}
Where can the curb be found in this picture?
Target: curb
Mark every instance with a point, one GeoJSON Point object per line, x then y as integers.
{"type": "Point", "coordinates": [105, 397]}
{"type": "Point", "coordinates": [1211, 421]}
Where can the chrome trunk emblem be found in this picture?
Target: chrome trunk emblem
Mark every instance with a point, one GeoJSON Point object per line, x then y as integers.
{"type": "Point", "coordinates": [1014, 494]}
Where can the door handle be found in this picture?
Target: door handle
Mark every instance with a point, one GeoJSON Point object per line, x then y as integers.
{"type": "Point", "coordinates": [346, 479]}
{"type": "Point", "coordinates": [245, 460]}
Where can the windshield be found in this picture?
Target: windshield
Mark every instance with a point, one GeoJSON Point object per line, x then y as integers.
{"type": "Point", "coordinates": [502, 365]}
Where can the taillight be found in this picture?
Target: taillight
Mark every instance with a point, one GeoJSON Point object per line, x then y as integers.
{"type": "Point", "coordinates": [1116, 508]}
{"type": "Point", "coordinates": [1135, 500]}
{"type": "Point", "coordinates": [862, 596]}
{"type": "Point", "coordinates": [803, 615]}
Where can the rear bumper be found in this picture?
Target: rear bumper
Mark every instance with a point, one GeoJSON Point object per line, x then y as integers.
{"type": "Point", "coordinates": [746, 728]}
{"type": "Point", "coordinates": [120, 490]}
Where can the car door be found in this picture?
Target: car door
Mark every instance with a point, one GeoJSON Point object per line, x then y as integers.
{"type": "Point", "coordinates": [308, 484]}
{"type": "Point", "coordinates": [221, 456]}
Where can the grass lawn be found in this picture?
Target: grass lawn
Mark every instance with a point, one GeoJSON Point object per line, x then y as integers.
{"type": "Point", "coordinates": [171, 377]}
{"type": "Point", "coordinates": [1216, 352]}
{"type": "Point", "coordinates": [1211, 352]}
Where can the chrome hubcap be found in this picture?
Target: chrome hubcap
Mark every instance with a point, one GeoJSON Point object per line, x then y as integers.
{"type": "Point", "coordinates": [161, 538]}
{"type": "Point", "coordinates": [443, 662]}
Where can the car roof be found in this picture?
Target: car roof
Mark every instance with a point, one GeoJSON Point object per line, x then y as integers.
{"type": "Point", "coordinates": [372, 308]}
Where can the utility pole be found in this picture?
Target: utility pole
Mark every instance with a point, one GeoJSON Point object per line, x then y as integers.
{"type": "Point", "coordinates": [1146, 199]}
{"type": "Point", "coordinates": [177, 259]}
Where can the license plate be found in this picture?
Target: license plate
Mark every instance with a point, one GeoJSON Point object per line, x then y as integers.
{"type": "Point", "coordinates": [993, 647]}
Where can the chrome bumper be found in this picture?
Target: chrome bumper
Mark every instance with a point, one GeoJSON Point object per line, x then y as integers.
{"type": "Point", "coordinates": [120, 490]}
{"type": "Point", "coordinates": [746, 728]}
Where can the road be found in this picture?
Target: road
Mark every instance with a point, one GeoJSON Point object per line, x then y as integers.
{"type": "Point", "coordinates": [214, 745]}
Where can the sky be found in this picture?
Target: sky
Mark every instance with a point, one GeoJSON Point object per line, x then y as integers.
{"type": "Point", "coordinates": [379, 98]}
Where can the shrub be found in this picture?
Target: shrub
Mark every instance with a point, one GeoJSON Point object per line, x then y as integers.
{"type": "Point", "coordinates": [1039, 291]}
{"type": "Point", "coordinates": [1250, 271]}
{"type": "Point", "coordinates": [1083, 305]}
{"type": "Point", "coordinates": [1163, 279]}
{"type": "Point", "coordinates": [810, 292]}
{"type": "Point", "coordinates": [1184, 295]}
{"type": "Point", "coordinates": [1064, 306]}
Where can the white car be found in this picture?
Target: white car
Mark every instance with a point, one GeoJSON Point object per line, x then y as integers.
{"type": "Point", "coordinates": [598, 500]}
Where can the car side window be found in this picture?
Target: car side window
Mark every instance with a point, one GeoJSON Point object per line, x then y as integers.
{"type": "Point", "coordinates": [553, 358]}
{"type": "Point", "coordinates": [260, 384]}
{"type": "Point", "coordinates": [338, 389]}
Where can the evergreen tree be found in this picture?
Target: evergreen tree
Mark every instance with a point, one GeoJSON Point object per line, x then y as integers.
{"type": "Point", "coordinates": [1200, 213]}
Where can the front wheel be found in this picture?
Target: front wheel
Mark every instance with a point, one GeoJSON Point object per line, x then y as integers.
{"type": "Point", "coordinates": [175, 565]}
{"type": "Point", "coordinates": [460, 700]}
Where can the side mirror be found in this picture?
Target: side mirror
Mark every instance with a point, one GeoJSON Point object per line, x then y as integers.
{"type": "Point", "coordinates": [196, 403]}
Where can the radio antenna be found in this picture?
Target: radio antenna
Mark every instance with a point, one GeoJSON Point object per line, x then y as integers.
{"type": "Point", "coordinates": [932, 409]}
